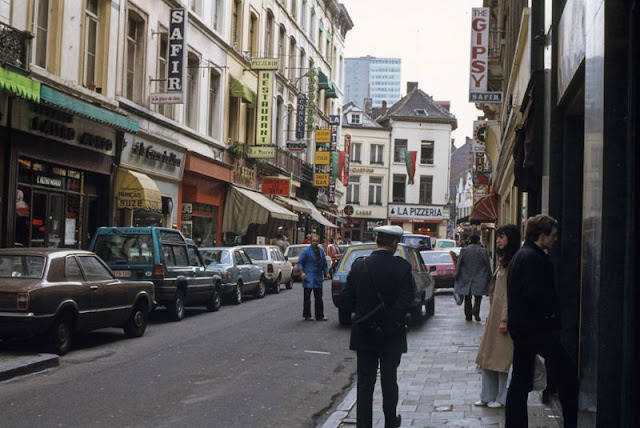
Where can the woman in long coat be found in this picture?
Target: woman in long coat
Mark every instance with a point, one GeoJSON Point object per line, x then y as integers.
{"type": "Point", "coordinates": [496, 348]}
{"type": "Point", "coordinates": [473, 272]}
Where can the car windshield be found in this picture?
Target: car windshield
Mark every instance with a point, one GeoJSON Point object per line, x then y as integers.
{"type": "Point", "coordinates": [294, 251]}
{"type": "Point", "coordinates": [434, 257]}
{"type": "Point", "coordinates": [256, 253]}
{"type": "Point", "coordinates": [21, 266]}
{"type": "Point", "coordinates": [119, 249]}
{"type": "Point", "coordinates": [216, 257]}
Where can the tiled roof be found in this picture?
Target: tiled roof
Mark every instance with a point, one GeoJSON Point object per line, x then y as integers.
{"type": "Point", "coordinates": [419, 106]}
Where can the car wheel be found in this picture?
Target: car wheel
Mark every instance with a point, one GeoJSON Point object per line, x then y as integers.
{"type": "Point", "coordinates": [215, 301]}
{"type": "Point", "coordinates": [137, 322]}
{"type": "Point", "coordinates": [431, 306]}
{"type": "Point", "coordinates": [60, 336]}
{"type": "Point", "coordinates": [289, 284]}
{"type": "Point", "coordinates": [419, 313]}
{"type": "Point", "coordinates": [344, 317]}
{"type": "Point", "coordinates": [261, 290]}
{"type": "Point", "coordinates": [237, 294]}
{"type": "Point", "coordinates": [276, 286]}
{"type": "Point", "coordinates": [177, 306]}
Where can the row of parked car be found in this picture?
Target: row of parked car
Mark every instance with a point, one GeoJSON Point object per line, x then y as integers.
{"type": "Point", "coordinates": [127, 272]}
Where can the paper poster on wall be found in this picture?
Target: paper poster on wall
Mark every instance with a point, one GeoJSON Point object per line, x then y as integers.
{"type": "Point", "coordinates": [70, 231]}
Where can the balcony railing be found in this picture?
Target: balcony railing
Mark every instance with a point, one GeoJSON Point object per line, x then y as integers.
{"type": "Point", "coordinates": [15, 46]}
{"type": "Point", "coordinates": [290, 164]}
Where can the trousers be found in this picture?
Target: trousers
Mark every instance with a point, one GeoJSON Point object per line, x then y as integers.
{"type": "Point", "coordinates": [318, 305]}
{"type": "Point", "coordinates": [468, 310]}
{"type": "Point", "coordinates": [367, 369]}
{"type": "Point", "coordinates": [525, 347]}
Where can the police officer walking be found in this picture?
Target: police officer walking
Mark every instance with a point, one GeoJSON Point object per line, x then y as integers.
{"type": "Point", "coordinates": [379, 290]}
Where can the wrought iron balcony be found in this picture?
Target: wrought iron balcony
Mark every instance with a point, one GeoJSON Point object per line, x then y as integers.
{"type": "Point", "coordinates": [15, 46]}
{"type": "Point", "coordinates": [290, 164]}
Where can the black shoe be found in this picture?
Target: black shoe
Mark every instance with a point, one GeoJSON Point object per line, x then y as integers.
{"type": "Point", "coordinates": [468, 318]}
{"type": "Point", "coordinates": [477, 318]}
{"type": "Point", "coordinates": [394, 424]}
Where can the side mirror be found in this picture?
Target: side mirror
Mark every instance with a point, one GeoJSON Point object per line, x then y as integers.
{"type": "Point", "coordinates": [286, 257]}
{"type": "Point", "coordinates": [432, 269]}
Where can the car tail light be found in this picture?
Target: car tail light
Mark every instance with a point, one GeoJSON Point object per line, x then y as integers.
{"type": "Point", "coordinates": [224, 275]}
{"type": "Point", "coordinates": [269, 268]}
{"type": "Point", "coordinates": [22, 300]}
{"type": "Point", "coordinates": [158, 271]}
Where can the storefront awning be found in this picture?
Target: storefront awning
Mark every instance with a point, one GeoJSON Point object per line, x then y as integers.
{"type": "Point", "coordinates": [19, 85]}
{"type": "Point", "coordinates": [323, 81]}
{"type": "Point", "coordinates": [337, 217]}
{"type": "Point", "coordinates": [243, 207]}
{"type": "Point", "coordinates": [293, 204]}
{"type": "Point", "coordinates": [135, 190]}
{"type": "Point", "coordinates": [239, 90]}
{"type": "Point", "coordinates": [485, 210]}
{"type": "Point", "coordinates": [316, 215]}
{"type": "Point", "coordinates": [87, 110]}
{"type": "Point", "coordinates": [331, 92]}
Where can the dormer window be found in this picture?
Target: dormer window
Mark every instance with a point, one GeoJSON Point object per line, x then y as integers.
{"type": "Point", "coordinates": [420, 112]}
{"type": "Point", "coordinates": [355, 118]}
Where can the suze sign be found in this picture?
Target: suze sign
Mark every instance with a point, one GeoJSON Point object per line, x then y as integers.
{"type": "Point", "coordinates": [480, 58]}
{"type": "Point", "coordinates": [419, 212]}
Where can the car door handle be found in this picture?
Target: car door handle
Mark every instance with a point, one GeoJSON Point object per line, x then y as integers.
{"type": "Point", "coordinates": [93, 287]}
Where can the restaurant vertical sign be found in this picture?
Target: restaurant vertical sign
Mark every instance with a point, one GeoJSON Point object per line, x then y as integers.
{"type": "Point", "coordinates": [263, 147]}
{"type": "Point", "coordinates": [479, 64]}
{"type": "Point", "coordinates": [174, 93]}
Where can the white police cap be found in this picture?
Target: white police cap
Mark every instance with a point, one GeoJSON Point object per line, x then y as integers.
{"type": "Point", "coordinates": [395, 231]}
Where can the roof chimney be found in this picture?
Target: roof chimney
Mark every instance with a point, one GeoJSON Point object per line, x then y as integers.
{"type": "Point", "coordinates": [383, 113]}
{"type": "Point", "coordinates": [444, 104]}
{"type": "Point", "coordinates": [411, 86]}
{"type": "Point", "coordinates": [368, 104]}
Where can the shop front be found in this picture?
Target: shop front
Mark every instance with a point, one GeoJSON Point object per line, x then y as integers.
{"type": "Point", "coordinates": [61, 157]}
{"type": "Point", "coordinates": [148, 181]}
{"type": "Point", "coordinates": [202, 196]}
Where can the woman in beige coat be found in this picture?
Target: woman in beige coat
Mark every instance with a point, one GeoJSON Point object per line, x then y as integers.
{"type": "Point", "coordinates": [496, 348]}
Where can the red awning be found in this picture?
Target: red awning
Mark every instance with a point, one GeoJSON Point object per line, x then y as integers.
{"type": "Point", "coordinates": [485, 210]}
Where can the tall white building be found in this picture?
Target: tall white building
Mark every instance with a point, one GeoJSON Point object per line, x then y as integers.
{"type": "Point", "coordinates": [419, 162]}
{"type": "Point", "coordinates": [371, 77]}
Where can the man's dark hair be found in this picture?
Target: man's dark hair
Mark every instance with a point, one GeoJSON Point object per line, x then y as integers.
{"type": "Point", "coordinates": [385, 240]}
{"type": "Point", "coordinates": [474, 239]}
{"type": "Point", "coordinates": [512, 233]}
{"type": "Point", "coordinates": [538, 224]}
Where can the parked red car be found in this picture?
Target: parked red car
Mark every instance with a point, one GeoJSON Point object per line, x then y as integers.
{"type": "Point", "coordinates": [445, 272]}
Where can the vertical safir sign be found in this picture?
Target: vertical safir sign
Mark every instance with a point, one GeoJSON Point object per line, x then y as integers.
{"type": "Point", "coordinates": [174, 93]}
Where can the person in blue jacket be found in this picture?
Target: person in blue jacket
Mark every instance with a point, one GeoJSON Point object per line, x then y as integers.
{"type": "Point", "coordinates": [313, 268]}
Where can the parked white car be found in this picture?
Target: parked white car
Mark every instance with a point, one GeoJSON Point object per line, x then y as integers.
{"type": "Point", "coordinates": [293, 252]}
{"type": "Point", "coordinates": [277, 270]}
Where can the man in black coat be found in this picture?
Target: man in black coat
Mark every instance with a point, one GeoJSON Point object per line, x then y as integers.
{"type": "Point", "coordinates": [534, 323]}
{"type": "Point", "coordinates": [380, 289]}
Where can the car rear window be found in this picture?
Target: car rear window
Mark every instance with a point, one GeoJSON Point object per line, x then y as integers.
{"type": "Point", "coordinates": [294, 251]}
{"type": "Point", "coordinates": [436, 257]}
{"type": "Point", "coordinates": [21, 266]}
{"type": "Point", "coordinates": [117, 249]}
{"type": "Point", "coordinates": [256, 253]}
{"type": "Point", "coordinates": [219, 257]}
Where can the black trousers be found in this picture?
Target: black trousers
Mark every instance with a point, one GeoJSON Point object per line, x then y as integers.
{"type": "Point", "coordinates": [367, 370]}
{"type": "Point", "coordinates": [468, 310]}
{"type": "Point", "coordinates": [306, 305]}
{"type": "Point", "coordinates": [525, 347]}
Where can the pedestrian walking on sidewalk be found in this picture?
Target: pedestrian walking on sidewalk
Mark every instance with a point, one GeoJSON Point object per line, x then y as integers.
{"type": "Point", "coordinates": [473, 272]}
{"type": "Point", "coordinates": [313, 268]}
{"type": "Point", "coordinates": [534, 321]}
{"type": "Point", "coordinates": [379, 290]}
{"type": "Point", "coordinates": [496, 348]}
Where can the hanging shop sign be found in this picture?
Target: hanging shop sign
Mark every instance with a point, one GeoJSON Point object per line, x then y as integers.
{"type": "Point", "coordinates": [265, 106]}
{"type": "Point", "coordinates": [320, 179]}
{"type": "Point", "coordinates": [334, 119]}
{"type": "Point", "coordinates": [323, 136]}
{"type": "Point", "coordinates": [417, 212]}
{"type": "Point", "coordinates": [276, 186]}
{"type": "Point", "coordinates": [176, 60]}
{"type": "Point", "coordinates": [479, 66]}
{"type": "Point", "coordinates": [264, 64]}
{"type": "Point", "coordinates": [296, 146]}
{"type": "Point", "coordinates": [261, 152]}
{"type": "Point", "coordinates": [322, 158]}
{"type": "Point", "coordinates": [480, 129]}
{"type": "Point", "coordinates": [300, 116]}
{"type": "Point", "coordinates": [347, 154]}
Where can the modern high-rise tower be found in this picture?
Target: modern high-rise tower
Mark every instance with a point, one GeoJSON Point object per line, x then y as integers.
{"type": "Point", "coordinates": [371, 77]}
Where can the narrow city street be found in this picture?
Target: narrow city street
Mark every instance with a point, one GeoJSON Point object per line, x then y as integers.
{"type": "Point", "coordinates": [253, 365]}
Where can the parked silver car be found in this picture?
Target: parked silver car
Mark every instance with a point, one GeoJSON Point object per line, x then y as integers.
{"type": "Point", "coordinates": [239, 275]}
{"type": "Point", "coordinates": [277, 270]}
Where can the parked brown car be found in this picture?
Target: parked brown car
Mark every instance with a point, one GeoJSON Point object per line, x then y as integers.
{"type": "Point", "coordinates": [57, 292]}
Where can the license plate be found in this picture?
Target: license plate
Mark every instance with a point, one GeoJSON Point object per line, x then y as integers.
{"type": "Point", "coordinates": [122, 273]}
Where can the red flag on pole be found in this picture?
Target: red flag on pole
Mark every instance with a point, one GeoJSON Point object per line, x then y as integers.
{"type": "Point", "coordinates": [341, 165]}
{"type": "Point", "coordinates": [410, 162]}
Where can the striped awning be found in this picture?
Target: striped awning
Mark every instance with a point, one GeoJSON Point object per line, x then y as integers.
{"type": "Point", "coordinates": [316, 215]}
{"type": "Point", "coordinates": [294, 204]}
{"type": "Point", "coordinates": [243, 207]}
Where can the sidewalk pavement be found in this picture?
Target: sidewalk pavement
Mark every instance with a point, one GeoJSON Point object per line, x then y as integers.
{"type": "Point", "coordinates": [439, 381]}
{"type": "Point", "coordinates": [14, 363]}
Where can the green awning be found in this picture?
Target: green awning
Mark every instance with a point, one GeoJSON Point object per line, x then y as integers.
{"type": "Point", "coordinates": [87, 110]}
{"type": "Point", "coordinates": [331, 92]}
{"type": "Point", "coordinates": [323, 81]}
{"type": "Point", "coordinates": [19, 85]}
{"type": "Point", "coordinates": [239, 90]}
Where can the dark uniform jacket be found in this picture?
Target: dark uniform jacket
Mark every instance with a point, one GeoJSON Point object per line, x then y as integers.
{"type": "Point", "coordinates": [394, 281]}
{"type": "Point", "coordinates": [531, 295]}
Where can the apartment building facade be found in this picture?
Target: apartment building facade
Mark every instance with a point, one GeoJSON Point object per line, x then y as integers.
{"type": "Point", "coordinates": [376, 78]}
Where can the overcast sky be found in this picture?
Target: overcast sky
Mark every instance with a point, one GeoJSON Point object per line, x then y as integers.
{"type": "Point", "coordinates": [432, 37]}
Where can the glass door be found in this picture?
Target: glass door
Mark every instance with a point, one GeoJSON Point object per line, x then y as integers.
{"type": "Point", "coordinates": [55, 221]}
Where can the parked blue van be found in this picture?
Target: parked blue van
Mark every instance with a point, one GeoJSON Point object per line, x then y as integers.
{"type": "Point", "coordinates": [165, 257]}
